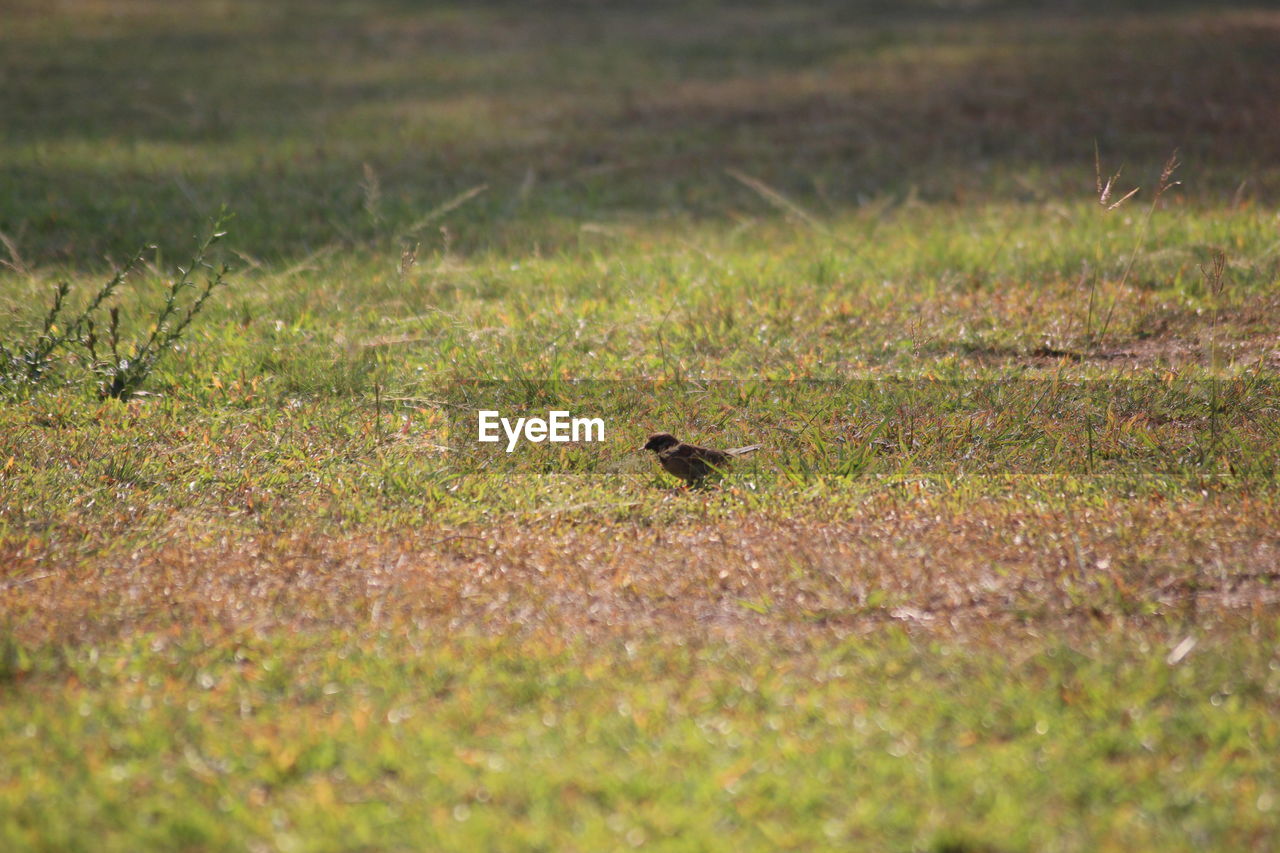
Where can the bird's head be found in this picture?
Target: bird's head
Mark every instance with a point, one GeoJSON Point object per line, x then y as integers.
{"type": "Point", "coordinates": [660, 441]}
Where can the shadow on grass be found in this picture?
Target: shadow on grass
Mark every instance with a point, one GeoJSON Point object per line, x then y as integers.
{"type": "Point", "coordinates": [346, 124]}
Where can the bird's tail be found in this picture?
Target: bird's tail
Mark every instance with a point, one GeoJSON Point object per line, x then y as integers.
{"type": "Point", "coordinates": [743, 451]}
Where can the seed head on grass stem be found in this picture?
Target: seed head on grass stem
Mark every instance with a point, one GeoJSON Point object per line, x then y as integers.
{"type": "Point", "coordinates": [1165, 183]}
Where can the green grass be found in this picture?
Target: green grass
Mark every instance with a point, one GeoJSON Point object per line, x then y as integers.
{"type": "Point", "coordinates": [350, 123]}
{"type": "Point", "coordinates": [1018, 447]}
{"type": "Point", "coordinates": [386, 742]}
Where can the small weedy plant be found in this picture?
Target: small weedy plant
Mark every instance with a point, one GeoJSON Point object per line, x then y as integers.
{"type": "Point", "coordinates": [29, 364]}
{"type": "Point", "coordinates": [120, 369]}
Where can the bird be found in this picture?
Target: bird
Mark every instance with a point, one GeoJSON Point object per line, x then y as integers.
{"type": "Point", "coordinates": [690, 462]}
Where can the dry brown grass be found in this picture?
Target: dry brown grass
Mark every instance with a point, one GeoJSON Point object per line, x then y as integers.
{"type": "Point", "coordinates": [988, 566]}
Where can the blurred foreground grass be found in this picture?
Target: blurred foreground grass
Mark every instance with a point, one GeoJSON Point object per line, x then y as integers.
{"type": "Point", "coordinates": [181, 740]}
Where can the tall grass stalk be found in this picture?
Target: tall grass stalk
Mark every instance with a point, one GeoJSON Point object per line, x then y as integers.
{"type": "Point", "coordinates": [1214, 273]}
{"type": "Point", "coordinates": [1165, 183]}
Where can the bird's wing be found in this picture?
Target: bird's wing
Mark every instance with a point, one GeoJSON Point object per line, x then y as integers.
{"type": "Point", "coordinates": [743, 451]}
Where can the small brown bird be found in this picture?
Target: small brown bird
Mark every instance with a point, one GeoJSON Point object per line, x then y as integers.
{"type": "Point", "coordinates": [690, 462]}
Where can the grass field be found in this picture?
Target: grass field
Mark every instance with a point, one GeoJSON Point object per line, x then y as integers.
{"type": "Point", "coordinates": [1004, 576]}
